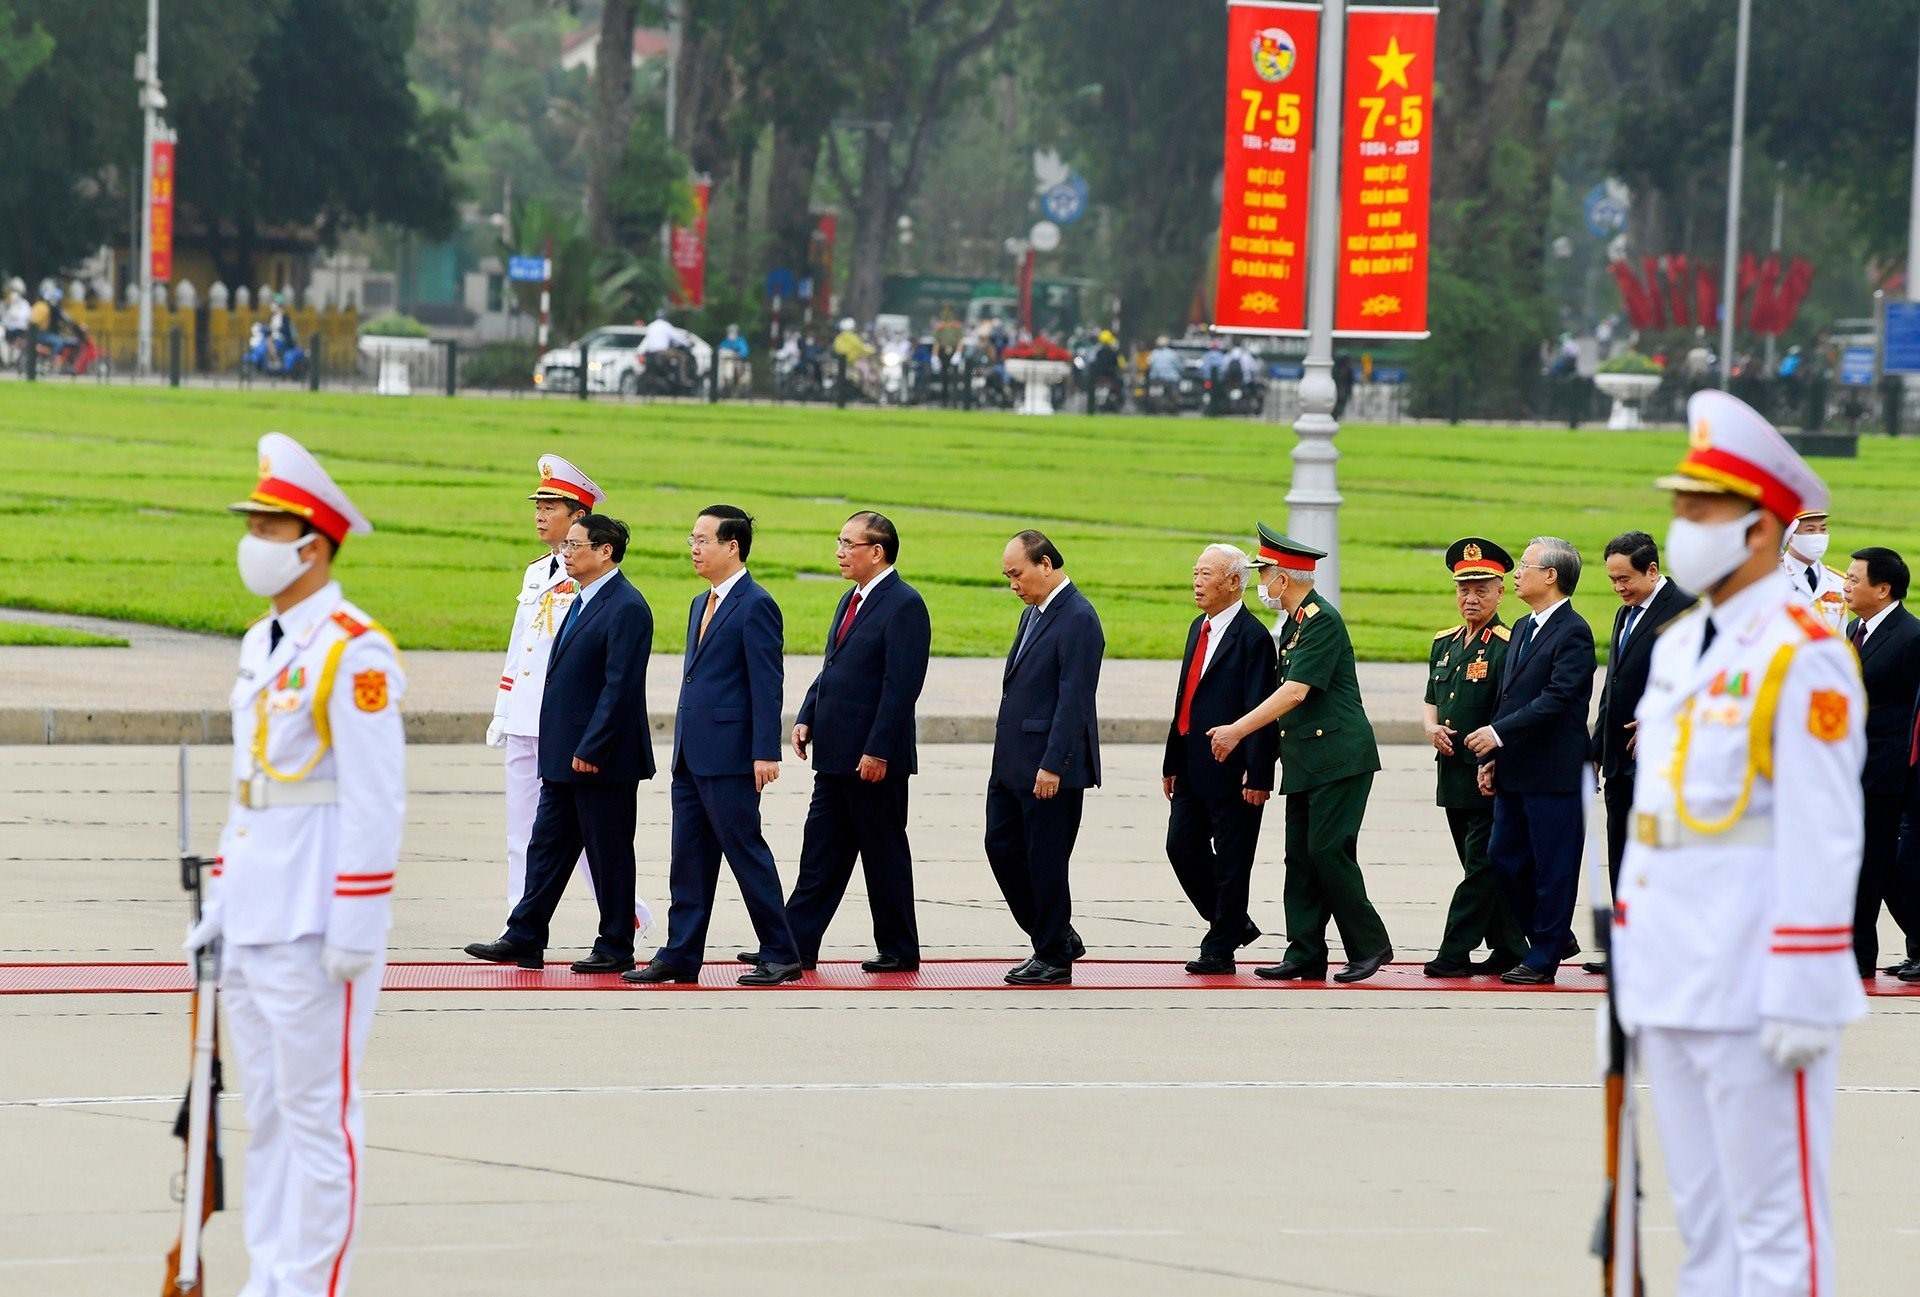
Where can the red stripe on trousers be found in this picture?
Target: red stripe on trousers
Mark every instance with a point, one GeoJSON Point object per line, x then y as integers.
{"type": "Point", "coordinates": [353, 1161]}
{"type": "Point", "coordinates": [1833, 930]}
{"type": "Point", "coordinates": [1806, 1184]}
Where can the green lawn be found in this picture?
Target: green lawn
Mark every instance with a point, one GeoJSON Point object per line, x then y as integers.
{"type": "Point", "coordinates": [112, 505]}
{"type": "Point", "coordinates": [15, 634]}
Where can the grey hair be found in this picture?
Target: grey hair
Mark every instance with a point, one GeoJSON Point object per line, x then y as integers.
{"type": "Point", "coordinates": [1559, 554]}
{"type": "Point", "coordinates": [1237, 564]}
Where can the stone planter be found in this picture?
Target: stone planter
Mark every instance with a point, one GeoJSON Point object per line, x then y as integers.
{"type": "Point", "coordinates": [395, 357]}
{"type": "Point", "coordinates": [1039, 376]}
{"type": "Point", "coordinates": [1627, 391]}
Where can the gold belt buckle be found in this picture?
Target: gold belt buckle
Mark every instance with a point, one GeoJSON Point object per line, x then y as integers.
{"type": "Point", "coordinates": [1646, 828]}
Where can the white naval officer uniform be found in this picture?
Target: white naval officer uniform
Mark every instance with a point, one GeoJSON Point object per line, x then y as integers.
{"type": "Point", "coordinates": [307, 862]}
{"type": "Point", "coordinates": [1828, 598]}
{"type": "Point", "coordinates": [1735, 908]}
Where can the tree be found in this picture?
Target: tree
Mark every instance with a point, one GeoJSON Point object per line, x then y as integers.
{"type": "Point", "coordinates": [24, 46]}
{"type": "Point", "coordinates": [612, 111]}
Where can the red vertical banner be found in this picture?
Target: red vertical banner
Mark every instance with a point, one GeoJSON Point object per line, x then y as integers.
{"type": "Point", "coordinates": [690, 251]}
{"type": "Point", "coordinates": [160, 212]}
{"type": "Point", "coordinates": [1386, 174]}
{"type": "Point", "coordinates": [826, 231]}
{"type": "Point", "coordinates": [1273, 59]}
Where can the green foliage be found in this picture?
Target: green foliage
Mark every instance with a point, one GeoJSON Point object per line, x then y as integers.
{"type": "Point", "coordinates": [1630, 362]}
{"type": "Point", "coordinates": [14, 634]}
{"type": "Point", "coordinates": [24, 46]}
{"type": "Point", "coordinates": [647, 190]}
{"type": "Point", "coordinates": [500, 364]}
{"type": "Point", "coordinates": [394, 325]}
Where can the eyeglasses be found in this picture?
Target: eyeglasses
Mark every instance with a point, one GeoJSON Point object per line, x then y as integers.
{"type": "Point", "coordinates": [575, 546]}
{"type": "Point", "coordinates": [843, 544]}
{"type": "Point", "coordinates": [1538, 567]}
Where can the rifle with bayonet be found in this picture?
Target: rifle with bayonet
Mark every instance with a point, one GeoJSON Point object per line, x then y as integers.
{"type": "Point", "coordinates": [201, 1188]}
{"type": "Point", "coordinates": [1616, 1235]}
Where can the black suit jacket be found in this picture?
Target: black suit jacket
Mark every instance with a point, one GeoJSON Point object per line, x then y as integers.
{"type": "Point", "coordinates": [1541, 716]}
{"type": "Point", "coordinates": [1626, 677]}
{"type": "Point", "coordinates": [861, 703]}
{"type": "Point", "coordinates": [1890, 668]}
{"type": "Point", "coordinates": [1047, 719]}
{"type": "Point", "coordinates": [595, 703]}
{"type": "Point", "coordinates": [1238, 680]}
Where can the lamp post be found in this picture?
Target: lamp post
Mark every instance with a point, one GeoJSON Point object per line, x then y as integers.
{"type": "Point", "coordinates": [1736, 164]}
{"type": "Point", "coordinates": [146, 74]}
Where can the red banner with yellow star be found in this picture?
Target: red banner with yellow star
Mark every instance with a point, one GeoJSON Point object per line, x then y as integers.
{"type": "Point", "coordinates": [1273, 60]}
{"type": "Point", "coordinates": [1386, 172]}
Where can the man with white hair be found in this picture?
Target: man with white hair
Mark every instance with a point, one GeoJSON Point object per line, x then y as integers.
{"type": "Point", "coordinates": [1226, 672]}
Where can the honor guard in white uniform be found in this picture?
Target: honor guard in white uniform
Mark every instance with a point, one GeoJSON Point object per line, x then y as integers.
{"type": "Point", "coordinates": [1823, 588]}
{"type": "Point", "coordinates": [301, 891]}
{"type": "Point", "coordinates": [546, 594]}
{"type": "Point", "coordinates": [1732, 936]}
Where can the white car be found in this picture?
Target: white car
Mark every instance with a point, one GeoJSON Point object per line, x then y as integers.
{"type": "Point", "coordinates": [613, 363]}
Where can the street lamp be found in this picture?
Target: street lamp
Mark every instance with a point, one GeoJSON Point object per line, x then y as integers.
{"type": "Point", "coordinates": [146, 74]}
{"type": "Point", "coordinates": [1736, 164]}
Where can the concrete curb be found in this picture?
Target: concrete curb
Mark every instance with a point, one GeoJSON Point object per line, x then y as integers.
{"type": "Point", "coordinates": [45, 725]}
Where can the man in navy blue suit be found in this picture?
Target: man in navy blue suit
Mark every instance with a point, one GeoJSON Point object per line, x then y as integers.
{"type": "Point", "coordinates": [726, 750]}
{"type": "Point", "coordinates": [594, 751]}
{"type": "Point", "coordinates": [1046, 754]}
{"type": "Point", "coordinates": [857, 722]}
{"type": "Point", "coordinates": [1531, 755]}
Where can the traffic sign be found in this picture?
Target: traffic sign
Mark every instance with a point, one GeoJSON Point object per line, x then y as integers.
{"type": "Point", "coordinates": [1856, 367]}
{"type": "Point", "coordinates": [1902, 338]}
{"type": "Point", "coordinates": [1066, 203]}
{"type": "Point", "coordinates": [528, 270]}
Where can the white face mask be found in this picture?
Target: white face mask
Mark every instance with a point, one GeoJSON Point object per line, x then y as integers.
{"type": "Point", "coordinates": [1272, 602]}
{"type": "Point", "coordinates": [1699, 554]}
{"type": "Point", "coordinates": [269, 566]}
{"type": "Point", "coordinates": [1811, 548]}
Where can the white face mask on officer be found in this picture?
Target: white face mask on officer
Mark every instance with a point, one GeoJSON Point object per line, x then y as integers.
{"type": "Point", "coordinates": [1273, 603]}
{"type": "Point", "coordinates": [269, 566]}
{"type": "Point", "coordinates": [1812, 548]}
{"type": "Point", "coordinates": [1698, 555]}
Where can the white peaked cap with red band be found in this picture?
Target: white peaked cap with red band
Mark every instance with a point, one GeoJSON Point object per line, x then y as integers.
{"type": "Point", "coordinates": [1733, 450]}
{"type": "Point", "coordinates": [292, 481]}
{"type": "Point", "coordinates": [560, 480]}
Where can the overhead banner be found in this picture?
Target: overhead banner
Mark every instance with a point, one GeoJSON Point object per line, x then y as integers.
{"type": "Point", "coordinates": [690, 251]}
{"type": "Point", "coordinates": [1273, 59]}
{"type": "Point", "coordinates": [1386, 172]}
{"type": "Point", "coordinates": [160, 213]}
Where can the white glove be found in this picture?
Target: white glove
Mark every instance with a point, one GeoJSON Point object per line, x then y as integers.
{"type": "Point", "coordinates": [497, 732]}
{"type": "Point", "coordinates": [1793, 1045]}
{"type": "Point", "coordinates": [206, 931]}
{"type": "Point", "coordinates": [345, 965]}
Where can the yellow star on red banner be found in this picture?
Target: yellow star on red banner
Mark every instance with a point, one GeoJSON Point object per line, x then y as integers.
{"type": "Point", "coordinates": [1392, 65]}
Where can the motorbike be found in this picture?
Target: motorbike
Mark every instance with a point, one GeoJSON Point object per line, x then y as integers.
{"type": "Point", "coordinates": [289, 360]}
{"type": "Point", "coordinates": [669, 373]}
{"type": "Point", "coordinates": [1159, 396]}
{"type": "Point", "coordinates": [895, 377]}
{"type": "Point", "coordinates": [76, 355]}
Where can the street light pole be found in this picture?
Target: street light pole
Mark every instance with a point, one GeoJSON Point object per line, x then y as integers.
{"type": "Point", "coordinates": [1736, 165]}
{"type": "Point", "coordinates": [1913, 209]}
{"type": "Point", "coordinates": [147, 73]}
{"type": "Point", "coordinates": [1314, 500]}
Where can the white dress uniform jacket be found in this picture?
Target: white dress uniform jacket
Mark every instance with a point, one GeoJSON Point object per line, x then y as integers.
{"type": "Point", "coordinates": [546, 593]}
{"type": "Point", "coordinates": [1829, 601]}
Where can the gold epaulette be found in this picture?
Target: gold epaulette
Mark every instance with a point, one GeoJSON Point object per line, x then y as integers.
{"type": "Point", "coordinates": [1448, 633]}
{"type": "Point", "coordinates": [1815, 628]}
{"type": "Point", "coordinates": [1502, 633]}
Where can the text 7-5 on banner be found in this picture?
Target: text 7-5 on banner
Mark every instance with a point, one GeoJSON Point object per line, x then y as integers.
{"type": "Point", "coordinates": [1273, 59]}
{"type": "Point", "coordinates": [1386, 174]}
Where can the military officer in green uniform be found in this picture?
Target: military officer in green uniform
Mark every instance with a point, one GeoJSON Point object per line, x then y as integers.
{"type": "Point", "coordinates": [1327, 759]}
{"type": "Point", "coordinates": [1463, 675]}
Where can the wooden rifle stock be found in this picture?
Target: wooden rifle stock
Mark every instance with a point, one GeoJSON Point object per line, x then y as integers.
{"type": "Point", "coordinates": [203, 1182]}
{"type": "Point", "coordinates": [1616, 1235]}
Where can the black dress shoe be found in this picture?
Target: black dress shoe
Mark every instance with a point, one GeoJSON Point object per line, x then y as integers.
{"type": "Point", "coordinates": [753, 957]}
{"type": "Point", "coordinates": [765, 974]}
{"type": "Point", "coordinates": [889, 964]}
{"type": "Point", "coordinates": [1494, 965]}
{"type": "Point", "coordinates": [1288, 970]}
{"type": "Point", "coordinates": [1076, 948]}
{"type": "Point", "coordinates": [1212, 966]}
{"type": "Point", "coordinates": [1569, 950]}
{"type": "Point", "coordinates": [1359, 970]}
{"type": "Point", "coordinates": [1446, 968]}
{"type": "Point", "coordinates": [1910, 973]}
{"type": "Point", "coordinates": [499, 952]}
{"type": "Point", "coordinates": [1038, 972]}
{"type": "Point", "coordinates": [1250, 934]}
{"type": "Point", "coordinates": [599, 963]}
{"type": "Point", "coordinates": [655, 972]}
{"type": "Point", "coordinates": [1595, 966]}
{"type": "Point", "coordinates": [1894, 970]}
{"type": "Point", "coordinates": [1521, 975]}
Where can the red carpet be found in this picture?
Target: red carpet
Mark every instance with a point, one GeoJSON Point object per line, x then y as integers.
{"type": "Point", "coordinates": [833, 975]}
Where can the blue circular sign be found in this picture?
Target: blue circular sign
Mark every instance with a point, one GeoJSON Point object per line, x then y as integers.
{"type": "Point", "coordinates": [1066, 203]}
{"type": "Point", "coordinates": [1606, 213]}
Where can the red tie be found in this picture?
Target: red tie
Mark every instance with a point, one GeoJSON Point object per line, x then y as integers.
{"type": "Point", "coordinates": [846, 623]}
{"type": "Point", "coordinates": [1913, 747]}
{"type": "Point", "coordinates": [1193, 678]}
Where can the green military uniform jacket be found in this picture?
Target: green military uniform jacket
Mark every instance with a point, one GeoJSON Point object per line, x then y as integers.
{"type": "Point", "coordinates": [1463, 683]}
{"type": "Point", "coordinates": [1328, 736]}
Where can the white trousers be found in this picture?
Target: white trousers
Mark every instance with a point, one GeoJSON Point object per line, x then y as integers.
{"type": "Point", "coordinates": [523, 799]}
{"type": "Point", "coordinates": [1748, 1147]}
{"type": "Point", "coordinates": [299, 1036]}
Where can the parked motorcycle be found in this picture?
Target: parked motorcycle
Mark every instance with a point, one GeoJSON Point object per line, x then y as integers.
{"type": "Point", "coordinates": [287, 360]}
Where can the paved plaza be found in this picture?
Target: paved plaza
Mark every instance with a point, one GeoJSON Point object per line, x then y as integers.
{"type": "Point", "coordinates": [1251, 1139]}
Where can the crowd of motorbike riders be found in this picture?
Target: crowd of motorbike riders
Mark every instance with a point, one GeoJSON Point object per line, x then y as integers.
{"type": "Point", "coordinates": [37, 326]}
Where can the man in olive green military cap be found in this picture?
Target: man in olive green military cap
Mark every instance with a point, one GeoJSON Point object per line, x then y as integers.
{"type": "Point", "coordinates": [1327, 759]}
{"type": "Point", "coordinates": [1463, 677]}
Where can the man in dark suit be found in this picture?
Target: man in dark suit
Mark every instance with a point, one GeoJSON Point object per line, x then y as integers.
{"type": "Point", "coordinates": [1648, 601]}
{"type": "Point", "coordinates": [595, 749]}
{"type": "Point", "coordinates": [726, 750]}
{"type": "Point", "coordinates": [1046, 754]}
{"type": "Point", "coordinates": [1226, 672]}
{"type": "Point", "coordinates": [858, 722]}
{"type": "Point", "coordinates": [1532, 753]}
{"type": "Point", "coordinates": [1887, 638]}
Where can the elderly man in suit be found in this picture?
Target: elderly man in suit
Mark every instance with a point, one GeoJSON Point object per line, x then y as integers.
{"type": "Point", "coordinates": [726, 750]}
{"type": "Point", "coordinates": [1648, 601]}
{"type": "Point", "coordinates": [1046, 754]}
{"type": "Point", "coordinates": [857, 724]}
{"type": "Point", "coordinates": [594, 751]}
{"type": "Point", "coordinates": [1533, 751]}
{"type": "Point", "coordinates": [1887, 638]}
{"type": "Point", "coordinates": [1214, 827]}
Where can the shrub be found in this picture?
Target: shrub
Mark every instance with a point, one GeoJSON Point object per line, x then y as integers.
{"type": "Point", "coordinates": [393, 325]}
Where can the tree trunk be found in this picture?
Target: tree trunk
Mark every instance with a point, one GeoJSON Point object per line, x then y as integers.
{"type": "Point", "coordinates": [875, 208]}
{"type": "Point", "coordinates": [612, 113]}
{"type": "Point", "coordinates": [742, 273]}
{"type": "Point", "coordinates": [796, 155]}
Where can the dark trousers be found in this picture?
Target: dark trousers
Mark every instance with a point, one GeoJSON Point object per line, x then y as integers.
{"type": "Point", "coordinates": [1882, 879]}
{"type": "Point", "coordinates": [711, 817]}
{"type": "Point", "coordinates": [1323, 873]}
{"type": "Point", "coordinates": [1906, 865]}
{"type": "Point", "coordinates": [1210, 844]}
{"type": "Point", "coordinates": [599, 818]}
{"type": "Point", "coordinates": [1479, 911]}
{"type": "Point", "coordinates": [1535, 849]}
{"type": "Point", "coordinates": [1029, 843]}
{"type": "Point", "coordinates": [1619, 799]}
{"type": "Point", "coordinates": [850, 817]}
